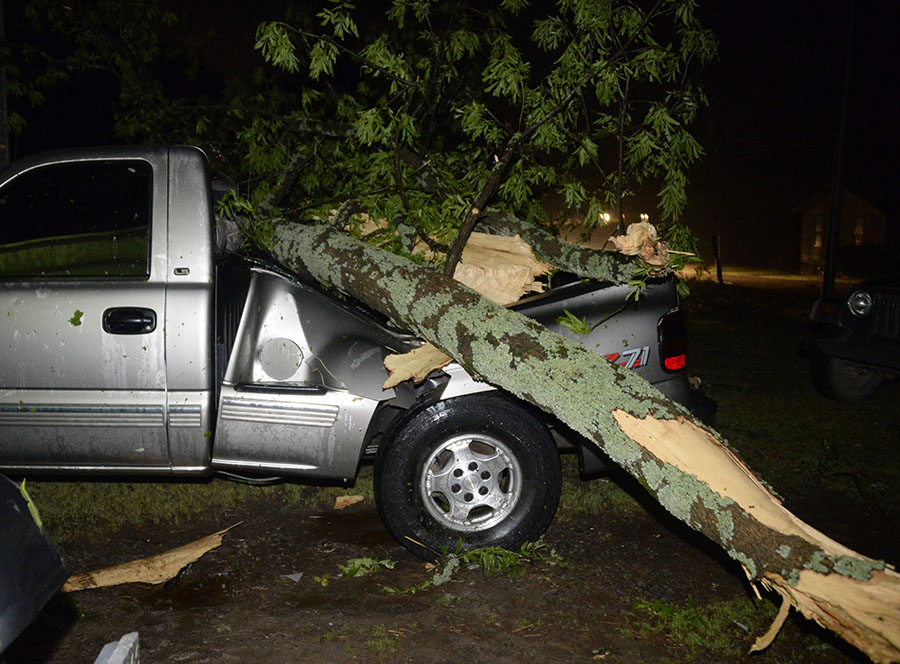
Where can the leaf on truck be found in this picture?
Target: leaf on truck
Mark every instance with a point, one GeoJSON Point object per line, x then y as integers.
{"type": "Point", "coordinates": [642, 240]}
{"type": "Point", "coordinates": [502, 269]}
{"type": "Point", "coordinates": [155, 569]}
{"type": "Point", "coordinates": [415, 364]}
{"type": "Point", "coordinates": [573, 323]}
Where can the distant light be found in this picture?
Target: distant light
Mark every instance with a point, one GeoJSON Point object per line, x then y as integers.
{"type": "Point", "coordinates": [645, 216]}
{"type": "Point", "coordinates": [605, 216]}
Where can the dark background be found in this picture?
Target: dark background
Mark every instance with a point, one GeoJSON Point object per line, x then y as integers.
{"type": "Point", "coordinates": [771, 126]}
{"type": "Point", "coordinates": [769, 132]}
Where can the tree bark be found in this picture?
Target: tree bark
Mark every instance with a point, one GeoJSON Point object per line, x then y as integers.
{"type": "Point", "coordinates": [608, 266]}
{"type": "Point", "coordinates": [685, 465]}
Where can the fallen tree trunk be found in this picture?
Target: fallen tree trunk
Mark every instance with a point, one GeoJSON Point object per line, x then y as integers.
{"type": "Point", "coordinates": [685, 465]}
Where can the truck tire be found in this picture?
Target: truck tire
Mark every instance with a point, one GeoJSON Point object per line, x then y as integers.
{"type": "Point", "coordinates": [465, 473]}
{"type": "Point", "coordinates": [844, 380]}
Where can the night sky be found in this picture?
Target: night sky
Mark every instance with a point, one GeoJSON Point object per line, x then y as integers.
{"type": "Point", "coordinates": [771, 127]}
{"type": "Point", "coordinates": [769, 132]}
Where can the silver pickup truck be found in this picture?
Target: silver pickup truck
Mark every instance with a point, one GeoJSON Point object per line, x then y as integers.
{"type": "Point", "coordinates": [131, 343]}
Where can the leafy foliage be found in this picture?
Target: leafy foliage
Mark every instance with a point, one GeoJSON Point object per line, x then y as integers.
{"type": "Point", "coordinates": [365, 566]}
{"type": "Point", "coordinates": [490, 560]}
{"type": "Point", "coordinates": [439, 107]}
{"type": "Point", "coordinates": [423, 113]}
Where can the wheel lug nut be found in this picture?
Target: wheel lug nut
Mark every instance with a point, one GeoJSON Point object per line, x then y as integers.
{"type": "Point", "coordinates": [473, 466]}
{"type": "Point", "coordinates": [455, 488]}
{"type": "Point", "coordinates": [468, 497]}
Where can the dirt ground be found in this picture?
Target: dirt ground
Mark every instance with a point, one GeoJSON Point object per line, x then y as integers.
{"type": "Point", "coordinates": [607, 596]}
{"type": "Point", "coordinates": [237, 604]}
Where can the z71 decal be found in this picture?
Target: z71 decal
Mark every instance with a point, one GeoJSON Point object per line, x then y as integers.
{"type": "Point", "coordinates": [634, 358]}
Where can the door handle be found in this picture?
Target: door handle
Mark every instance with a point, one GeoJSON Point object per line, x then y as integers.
{"type": "Point", "coordinates": [129, 320]}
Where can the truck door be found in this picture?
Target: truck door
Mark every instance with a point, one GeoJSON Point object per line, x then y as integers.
{"type": "Point", "coordinates": [82, 314]}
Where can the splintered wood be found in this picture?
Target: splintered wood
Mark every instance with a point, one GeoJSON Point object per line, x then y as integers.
{"type": "Point", "coordinates": [155, 569]}
{"type": "Point", "coordinates": [415, 364]}
{"type": "Point", "coordinates": [641, 240]}
{"type": "Point", "coordinates": [501, 268]}
{"type": "Point", "coordinates": [865, 612]}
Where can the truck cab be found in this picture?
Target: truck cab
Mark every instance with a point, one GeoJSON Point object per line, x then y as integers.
{"type": "Point", "coordinates": [107, 294]}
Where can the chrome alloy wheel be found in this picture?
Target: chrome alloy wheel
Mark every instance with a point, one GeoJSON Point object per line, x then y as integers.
{"type": "Point", "coordinates": [471, 482]}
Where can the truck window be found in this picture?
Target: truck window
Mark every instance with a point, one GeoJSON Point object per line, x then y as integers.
{"type": "Point", "coordinates": [80, 219]}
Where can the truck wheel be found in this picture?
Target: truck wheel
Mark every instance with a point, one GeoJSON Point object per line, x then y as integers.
{"type": "Point", "coordinates": [473, 471]}
{"type": "Point", "coordinates": [844, 380]}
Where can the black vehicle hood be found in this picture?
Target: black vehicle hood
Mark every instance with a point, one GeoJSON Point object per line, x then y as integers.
{"type": "Point", "coordinates": [889, 281]}
{"type": "Point", "coordinates": [31, 570]}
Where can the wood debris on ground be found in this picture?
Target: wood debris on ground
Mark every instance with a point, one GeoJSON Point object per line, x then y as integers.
{"type": "Point", "coordinates": [155, 569]}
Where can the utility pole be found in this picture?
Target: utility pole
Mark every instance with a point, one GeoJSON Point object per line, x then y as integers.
{"type": "Point", "coordinates": [837, 182]}
{"type": "Point", "coordinates": [4, 131]}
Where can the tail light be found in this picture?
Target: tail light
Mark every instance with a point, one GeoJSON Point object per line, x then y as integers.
{"type": "Point", "coordinates": [673, 341]}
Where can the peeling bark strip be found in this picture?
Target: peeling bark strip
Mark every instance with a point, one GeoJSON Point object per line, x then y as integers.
{"type": "Point", "coordinates": [683, 463]}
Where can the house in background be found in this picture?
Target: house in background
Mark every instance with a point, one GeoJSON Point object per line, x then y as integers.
{"type": "Point", "coordinates": [862, 236]}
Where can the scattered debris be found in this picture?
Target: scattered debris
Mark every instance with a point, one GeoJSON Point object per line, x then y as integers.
{"type": "Point", "coordinates": [155, 569]}
{"type": "Point", "coordinates": [346, 501]}
{"type": "Point", "coordinates": [295, 577]}
{"type": "Point", "coordinates": [124, 651]}
{"type": "Point", "coordinates": [365, 566]}
{"type": "Point", "coordinates": [641, 240]}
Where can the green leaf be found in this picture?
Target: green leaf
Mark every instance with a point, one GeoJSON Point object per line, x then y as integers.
{"type": "Point", "coordinates": [274, 42]}
{"type": "Point", "coordinates": [573, 323]}
{"type": "Point", "coordinates": [322, 57]}
{"type": "Point", "coordinates": [339, 19]}
{"type": "Point", "coordinates": [364, 566]}
{"type": "Point", "coordinates": [32, 507]}
{"type": "Point", "coordinates": [549, 32]}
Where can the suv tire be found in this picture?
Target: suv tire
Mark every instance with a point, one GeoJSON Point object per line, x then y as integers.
{"type": "Point", "coordinates": [844, 380]}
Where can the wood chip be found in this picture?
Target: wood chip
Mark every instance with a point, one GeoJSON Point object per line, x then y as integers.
{"type": "Point", "coordinates": [346, 501]}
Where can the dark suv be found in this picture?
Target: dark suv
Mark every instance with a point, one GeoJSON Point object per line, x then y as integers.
{"type": "Point", "coordinates": [854, 342]}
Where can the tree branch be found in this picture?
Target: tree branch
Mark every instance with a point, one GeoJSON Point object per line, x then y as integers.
{"type": "Point", "coordinates": [607, 266]}
{"type": "Point", "coordinates": [623, 107]}
{"type": "Point", "coordinates": [510, 153]}
{"type": "Point", "coordinates": [288, 177]}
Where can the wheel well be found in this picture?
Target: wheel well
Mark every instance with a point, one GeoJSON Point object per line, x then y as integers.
{"type": "Point", "coordinates": [390, 418]}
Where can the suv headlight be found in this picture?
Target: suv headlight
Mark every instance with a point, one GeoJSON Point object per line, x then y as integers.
{"type": "Point", "coordinates": [859, 303]}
